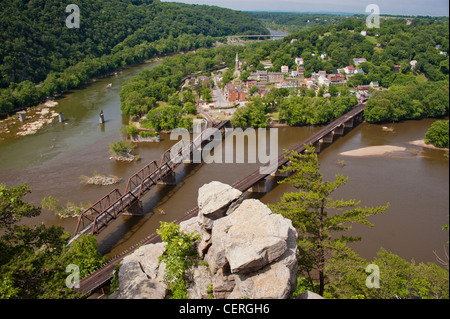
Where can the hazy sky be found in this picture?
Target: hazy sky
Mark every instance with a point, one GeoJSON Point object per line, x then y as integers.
{"type": "Point", "coordinates": [403, 7]}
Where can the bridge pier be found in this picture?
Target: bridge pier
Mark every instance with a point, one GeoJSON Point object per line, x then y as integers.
{"type": "Point", "coordinates": [317, 146]}
{"type": "Point", "coordinates": [259, 187]}
{"type": "Point", "coordinates": [135, 209]}
{"type": "Point", "coordinates": [349, 123]}
{"type": "Point", "coordinates": [169, 179]}
{"type": "Point", "coordinates": [329, 137]}
{"type": "Point", "coordinates": [339, 130]}
{"type": "Point", "coordinates": [277, 173]}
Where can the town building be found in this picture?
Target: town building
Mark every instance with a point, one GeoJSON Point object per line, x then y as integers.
{"type": "Point", "coordinates": [275, 76]}
{"type": "Point", "coordinates": [323, 81]}
{"type": "Point", "coordinates": [336, 78]}
{"type": "Point", "coordinates": [349, 70]}
{"type": "Point", "coordinates": [234, 93]}
{"type": "Point", "coordinates": [285, 69]}
{"type": "Point", "coordinates": [299, 61]}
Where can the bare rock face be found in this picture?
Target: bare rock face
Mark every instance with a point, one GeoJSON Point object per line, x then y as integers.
{"type": "Point", "coordinates": [141, 276]}
{"type": "Point", "coordinates": [251, 237]}
{"type": "Point", "coordinates": [249, 251]}
{"type": "Point", "coordinates": [259, 248]}
{"type": "Point", "coordinates": [214, 201]}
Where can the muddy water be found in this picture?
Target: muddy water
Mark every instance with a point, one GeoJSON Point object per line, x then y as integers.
{"type": "Point", "coordinates": [416, 183]}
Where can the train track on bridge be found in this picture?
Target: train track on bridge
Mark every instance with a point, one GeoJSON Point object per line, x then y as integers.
{"type": "Point", "coordinates": [102, 276]}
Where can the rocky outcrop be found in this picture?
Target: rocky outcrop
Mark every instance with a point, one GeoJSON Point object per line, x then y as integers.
{"type": "Point", "coordinates": [245, 250]}
{"type": "Point", "coordinates": [141, 276]}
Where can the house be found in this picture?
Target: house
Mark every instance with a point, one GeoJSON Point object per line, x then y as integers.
{"type": "Point", "coordinates": [267, 64]}
{"type": "Point", "coordinates": [299, 61]}
{"type": "Point", "coordinates": [336, 78]}
{"type": "Point", "coordinates": [300, 70]}
{"type": "Point", "coordinates": [349, 70]}
{"type": "Point", "coordinates": [374, 85]}
{"type": "Point", "coordinates": [294, 74]}
{"type": "Point", "coordinates": [309, 83]}
{"type": "Point", "coordinates": [285, 69]}
{"type": "Point", "coordinates": [261, 76]}
{"type": "Point", "coordinates": [358, 61]}
{"type": "Point", "coordinates": [364, 33]}
{"type": "Point", "coordinates": [234, 93]}
{"type": "Point", "coordinates": [360, 71]}
{"type": "Point", "coordinates": [323, 81]}
{"type": "Point", "coordinates": [323, 56]}
{"type": "Point", "coordinates": [413, 64]}
{"type": "Point", "coordinates": [251, 84]}
{"type": "Point", "coordinates": [288, 85]}
{"type": "Point", "coordinates": [364, 87]}
{"type": "Point", "coordinates": [202, 78]}
{"type": "Point", "coordinates": [275, 76]}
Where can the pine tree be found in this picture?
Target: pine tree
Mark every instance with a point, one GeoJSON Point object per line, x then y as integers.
{"type": "Point", "coordinates": [316, 216]}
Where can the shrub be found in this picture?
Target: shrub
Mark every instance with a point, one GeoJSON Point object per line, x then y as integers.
{"type": "Point", "coordinates": [437, 134]}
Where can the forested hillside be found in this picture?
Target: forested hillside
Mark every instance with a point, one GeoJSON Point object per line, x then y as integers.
{"type": "Point", "coordinates": [38, 48]}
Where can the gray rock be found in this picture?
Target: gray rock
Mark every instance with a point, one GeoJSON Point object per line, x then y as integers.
{"type": "Point", "coordinates": [199, 281]}
{"type": "Point", "coordinates": [140, 275]}
{"type": "Point", "coordinates": [249, 238]}
{"type": "Point", "coordinates": [214, 200]}
{"type": "Point", "coordinates": [277, 280]}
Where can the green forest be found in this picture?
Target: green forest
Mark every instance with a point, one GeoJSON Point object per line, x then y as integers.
{"type": "Point", "coordinates": [41, 57]}
{"type": "Point", "coordinates": [409, 93]}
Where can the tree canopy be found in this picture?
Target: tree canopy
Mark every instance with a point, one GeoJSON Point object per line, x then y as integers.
{"type": "Point", "coordinates": [40, 56]}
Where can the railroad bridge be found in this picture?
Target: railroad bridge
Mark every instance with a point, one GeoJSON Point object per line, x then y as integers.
{"type": "Point", "coordinates": [94, 219]}
{"type": "Point", "coordinates": [110, 206]}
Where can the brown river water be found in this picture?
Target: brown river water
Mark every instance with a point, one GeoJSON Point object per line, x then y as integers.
{"type": "Point", "coordinates": [415, 182]}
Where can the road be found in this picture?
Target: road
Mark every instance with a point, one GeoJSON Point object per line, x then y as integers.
{"type": "Point", "coordinates": [218, 97]}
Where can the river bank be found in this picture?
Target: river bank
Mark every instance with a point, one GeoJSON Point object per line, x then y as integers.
{"type": "Point", "coordinates": [52, 161]}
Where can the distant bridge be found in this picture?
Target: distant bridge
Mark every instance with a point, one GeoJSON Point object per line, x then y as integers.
{"type": "Point", "coordinates": [258, 36]}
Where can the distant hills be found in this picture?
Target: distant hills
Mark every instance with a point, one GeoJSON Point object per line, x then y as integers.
{"type": "Point", "coordinates": [38, 49]}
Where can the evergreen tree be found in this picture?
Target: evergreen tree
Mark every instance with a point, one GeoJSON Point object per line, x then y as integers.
{"type": "Point", "coordinates": [316, 216]}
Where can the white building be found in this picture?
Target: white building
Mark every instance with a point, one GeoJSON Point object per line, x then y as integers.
{"type": "Point", "coordinates": [323, 81]}
{"type": "Point", "coordinates": [299, 61]}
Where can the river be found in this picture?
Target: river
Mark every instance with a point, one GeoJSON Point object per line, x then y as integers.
{"type": "Point", "coordinates": [51, 162]}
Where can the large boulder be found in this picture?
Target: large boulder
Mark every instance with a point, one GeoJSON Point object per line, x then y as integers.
{"type": "Point", "coordinates": [249, 238]}
{"type": "Point", "coordinates": [141, 276]}
{"type": "Point", "coordinates": [256, 251]}
{"type": "Point", "coordinates": [246, 251]}
{"type": "Point", "coordinates": [215, 200]}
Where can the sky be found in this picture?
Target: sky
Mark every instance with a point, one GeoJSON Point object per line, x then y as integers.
{"type": "Point", "coordinates": [400, 7]}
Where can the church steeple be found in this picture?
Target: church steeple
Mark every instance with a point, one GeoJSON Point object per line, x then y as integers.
{"type": "Point", "coordinates": [236, 65]}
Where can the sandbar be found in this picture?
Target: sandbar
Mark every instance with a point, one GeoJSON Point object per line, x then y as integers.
{"type": "Point", "coordinates": [380, 150]}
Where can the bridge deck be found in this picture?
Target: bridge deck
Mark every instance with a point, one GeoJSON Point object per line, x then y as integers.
{"type": "Point", "coordinates": [106, 209]}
